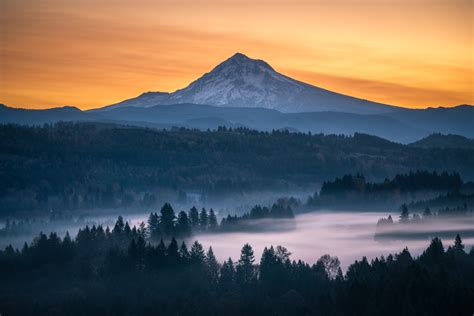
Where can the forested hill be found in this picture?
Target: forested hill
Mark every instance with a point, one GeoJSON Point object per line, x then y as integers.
{"type": "Point", "coordinates": [71, 166]}
{"type": "Point", "coordinates": [354, 191]}
{"type": "Point", "coordinates": [444, 141]}
{"type": "Point", "coordinates": [411, 182]}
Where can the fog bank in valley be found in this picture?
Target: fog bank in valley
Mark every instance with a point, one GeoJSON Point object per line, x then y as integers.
{"type": "Point", "coordinates": [347, 235]}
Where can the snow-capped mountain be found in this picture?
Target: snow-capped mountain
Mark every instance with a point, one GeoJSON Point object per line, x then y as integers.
{"type": "Point", "coordinates": [244, 82]}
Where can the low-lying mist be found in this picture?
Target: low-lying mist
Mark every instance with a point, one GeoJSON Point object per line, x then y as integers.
{"type": "Point", "coordinates": [347, 235]}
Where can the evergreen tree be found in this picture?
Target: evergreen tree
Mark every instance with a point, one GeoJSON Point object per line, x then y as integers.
{"type": "Point", "coordinates": [183, 227]}
{"type": "Point", "coordinates": [167, 219]}
{"type": "Point", "coordinates": [434, 253]}
{"type": "Point", "coordinates": [227, 275]}
{"type": "Point", "coordinates": [194, 218]}
{"type": "Point", "coordinates": [25, 248]}
{"type": "Point", "coordinates": [197, 253]}
{"type": "Point", "coordinates": [153, 226]}
{"type": "Point", "coordinates": [404, 258]}
{"type": "Point", "coordinates": [458, 245]}
{"type": "Point", "coordinates": [159, 254]}
{"type": "Point", "coordinates": [212, 265]}
{"type": "Point", "coordinates": [203, 219]}
{"type": "Point", "coordinates": [405, 214]}
{"type": "Point", "coordinates": [142, 230]}
{"type": "Point", "coordinates": [172, 251]}
{"type": "Point", "coordinates": [245, 270]}
{"type": "Point", "coordinates": [212, 220]}
{"type": "Point", "coordinates": [67, 247]}
{"type": "Point", "coordinates": [127, 229]}
{"type": "Point", "coordinates": [184, 253]}
{"type": "Point", "coordinates": [268, 263]}
{"type": "Point", "coordinates": [119, 226]}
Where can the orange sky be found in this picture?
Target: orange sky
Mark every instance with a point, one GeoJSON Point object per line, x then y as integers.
{"type": "Point", "coordinates": [413, 53]}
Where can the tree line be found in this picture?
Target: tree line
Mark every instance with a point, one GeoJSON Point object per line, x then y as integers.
{"type": "Point", "coordinates": [167, 224]}
{"type": "Point", "coordinates": [388, 228]}
{"type": "Point", "coordinates": [352, 190]}
{"type": "Point", "coordinates": [448, 202]}
{"type": "Point", "coordinates": [410, 182]}
{"type": "Point", "coordinates": [117, 272]}
{"type": "Point", "coordinates": [427, 215]}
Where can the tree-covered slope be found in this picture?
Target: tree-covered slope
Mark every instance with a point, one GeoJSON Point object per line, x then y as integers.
{"type": "Point", "coordinates": [96, 165]}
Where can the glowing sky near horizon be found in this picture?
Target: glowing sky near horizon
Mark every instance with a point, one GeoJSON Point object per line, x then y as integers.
{"type": "Point", "coordinates": [86, 53]}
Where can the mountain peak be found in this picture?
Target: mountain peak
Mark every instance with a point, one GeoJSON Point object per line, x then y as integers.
{"type": "Point", "coordinates": [241, 81]}
{"type": "Point", "coordinates": [240, 60]}
{"type": "Point", "coordinates": [239, 56]}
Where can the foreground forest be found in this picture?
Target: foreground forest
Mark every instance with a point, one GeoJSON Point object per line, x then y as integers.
{"type": "Point", "coordinates": [73, 166]}
{"type": "Point", "coordinates": [119, 272]}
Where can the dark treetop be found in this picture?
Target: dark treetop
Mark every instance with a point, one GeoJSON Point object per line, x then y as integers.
{"type": "Point", "coordinates": [117, 272]}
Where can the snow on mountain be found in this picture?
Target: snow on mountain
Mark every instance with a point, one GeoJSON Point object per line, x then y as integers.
{"type": "Point", "coordinates": [244, 82]}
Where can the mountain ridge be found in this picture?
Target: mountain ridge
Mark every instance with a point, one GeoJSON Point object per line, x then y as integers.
{"type": "Point", "coordinates": [404, 127]}
{"type": "Point", "coordinates": [240, 81]}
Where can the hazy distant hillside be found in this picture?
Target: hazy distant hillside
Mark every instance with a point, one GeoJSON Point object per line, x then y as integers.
{"type": "Point", "coordinates": [204, 116]}
{"type": "Point", "coordinates": [444, 141]}
{"type": "Point", "coordinates": [35, 117]}
{"type": "Point", "coordinates": [456, 120]}
{"type": "Point", "coordinates": [405, 127]}
{"type": "Point", "coordinates": [95, 165]}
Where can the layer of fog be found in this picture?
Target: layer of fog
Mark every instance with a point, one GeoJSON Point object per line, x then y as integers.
{"type": "Point", "coordinates": [347, 235]}
{"type": "Point", "coordinates": [72, 221]}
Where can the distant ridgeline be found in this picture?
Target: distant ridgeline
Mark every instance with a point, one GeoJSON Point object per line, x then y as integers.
{"type": "Point", "coordinates": [417, 188]}
{"type": "Point", "coordinates": [69, 167]}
